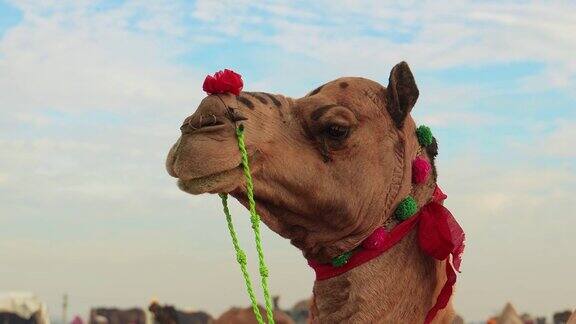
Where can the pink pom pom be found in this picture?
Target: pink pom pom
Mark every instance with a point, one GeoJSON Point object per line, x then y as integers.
{"type": "Point", "coordinates": [420, 170]}
{"type": "Point", "coordinates": [376, 240]}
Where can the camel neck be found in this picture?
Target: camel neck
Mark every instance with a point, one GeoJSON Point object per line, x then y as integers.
{"type": "Point", "coordinates": [376, 292]}
{"type": "Point", "coordinates": [372, 247]}
{"type": "Point", "coordinates": [408, 258]}
{"type": "Point", "coordinates": [396, 225]}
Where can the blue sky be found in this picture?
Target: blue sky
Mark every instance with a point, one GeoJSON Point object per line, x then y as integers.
{"type": "Point", "coordinates": [92, 94]}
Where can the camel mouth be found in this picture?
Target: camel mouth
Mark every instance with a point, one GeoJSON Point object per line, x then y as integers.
{"type": "Point", "coordinates": [225, 181]}
{"type": "Point", "coordinates": [219, 182]}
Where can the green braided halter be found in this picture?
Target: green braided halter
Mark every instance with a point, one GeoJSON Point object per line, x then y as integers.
{"type": "Point", "coordinates": [255, 220]}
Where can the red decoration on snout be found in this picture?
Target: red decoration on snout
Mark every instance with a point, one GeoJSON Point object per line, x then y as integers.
{"type": "Point", "coordinates": [226, 81]}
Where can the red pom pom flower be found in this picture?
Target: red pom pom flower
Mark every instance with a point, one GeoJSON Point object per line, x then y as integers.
{"type": "Point", "coordinates": [420, 170]}
{"type": "Point", "coordinates": [376, 240]}
{"type": "Point", "coordinates": [226, 81]}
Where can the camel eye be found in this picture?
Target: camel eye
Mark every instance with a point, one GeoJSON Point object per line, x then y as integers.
{"type": "Point", "coordinates": [337, 132]}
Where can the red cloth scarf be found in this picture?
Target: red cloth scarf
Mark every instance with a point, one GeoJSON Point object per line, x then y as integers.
{"type": "Point", "coordinates": [439, 236]}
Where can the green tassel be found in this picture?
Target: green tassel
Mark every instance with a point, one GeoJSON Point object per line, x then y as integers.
{"type": "Point", "coordinates": [406, 208]}
{"type": "Point", "coordinates": [342, 259]}
{"type": "Point", "coordinates": [424, 135]}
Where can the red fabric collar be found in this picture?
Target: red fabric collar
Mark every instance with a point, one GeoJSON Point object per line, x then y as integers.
{"type": "Point", "coordinates": [439, 236]}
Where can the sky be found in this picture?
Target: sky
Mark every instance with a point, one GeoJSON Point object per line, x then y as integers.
{"type": "Point", "coordinates": [92, 94]}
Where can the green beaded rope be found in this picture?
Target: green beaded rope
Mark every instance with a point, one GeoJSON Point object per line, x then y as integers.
{"type": "Point", "coordinates": [241, 258]}
{"type": "Point", "coordinates": [255, 220]}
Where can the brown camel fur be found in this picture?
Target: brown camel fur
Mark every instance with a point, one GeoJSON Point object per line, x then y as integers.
{"type": "Point", "coordinates": [328, 169]}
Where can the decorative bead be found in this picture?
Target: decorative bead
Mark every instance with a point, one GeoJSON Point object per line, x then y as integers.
{"type": "Point", "coordinates": [342, 259]}
{"type": "Point", "coordinates": [406, 208]}
{"type": "Point", "coordinates": [420, 170]}
{"type": "Point", "coordinates": [376, 240]}
{"type": "Point", "coordinates": [424, 135]}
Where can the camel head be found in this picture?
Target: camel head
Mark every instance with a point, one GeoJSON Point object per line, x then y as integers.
{"type": "Point", "coordinates": [328, 168]}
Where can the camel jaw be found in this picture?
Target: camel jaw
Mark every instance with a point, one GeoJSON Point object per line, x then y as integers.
{"type": "Point", "coordinates": [220, 182]}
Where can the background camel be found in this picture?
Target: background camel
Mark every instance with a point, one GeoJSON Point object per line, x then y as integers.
{"type": "Point", "coordinates": [246, 315]}
{"type": "Point", "coordinates": [328, 168]}
{"type": "Point", "coordinates": [167, 314]}
{"type": "Point", "coordinates": [117, 316]}
{"type": "Point", "coordinates": [572, 319]}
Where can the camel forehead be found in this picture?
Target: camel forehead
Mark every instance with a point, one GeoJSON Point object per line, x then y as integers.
{"type": "Point", "coordinates": [348, 84]}
{"type": "Point", "coordinates": [357, 93]}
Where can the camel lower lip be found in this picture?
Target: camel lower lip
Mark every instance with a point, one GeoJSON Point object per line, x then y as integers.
{"type": "Point", "coordinates": [213, 175]}
{"type": "Point", "coordinates": [224, 181]}
{"type": "Point", "coordinates": [213, 183]}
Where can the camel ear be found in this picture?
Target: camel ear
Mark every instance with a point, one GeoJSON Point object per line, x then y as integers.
{"type": "Point", "coordinates": [401, 93]}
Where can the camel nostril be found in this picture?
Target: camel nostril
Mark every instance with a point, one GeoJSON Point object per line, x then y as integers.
{"type": "Point", "coordinates": [210, 120]}
{"type": "Point", "coordinates": [203, 122]}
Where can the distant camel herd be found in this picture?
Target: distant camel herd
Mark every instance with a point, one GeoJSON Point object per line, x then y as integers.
{"type": "Point", "coordinates": [168, 314]}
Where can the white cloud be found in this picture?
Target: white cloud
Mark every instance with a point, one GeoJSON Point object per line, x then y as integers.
{"type": "Point", "coordinates": [561, 141]}
{"type": "Point", "coordinates": [518, 224]}
{"type": "Point", "coordinates": [430, 35]}
{"type": "Point", "coordinates": [555, 140]}
{"type": "Point", "coordinates": [86, 60]}
{"type": "Point", "coordinates": [32, 118]}
{"type": "Point", "coordinates": [459, 119]}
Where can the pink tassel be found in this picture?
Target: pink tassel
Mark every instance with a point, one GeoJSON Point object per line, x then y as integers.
{"type": "Point", "coordinates": [376, 240]}
{"type": "Point", "coordinates": [420, 170]}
